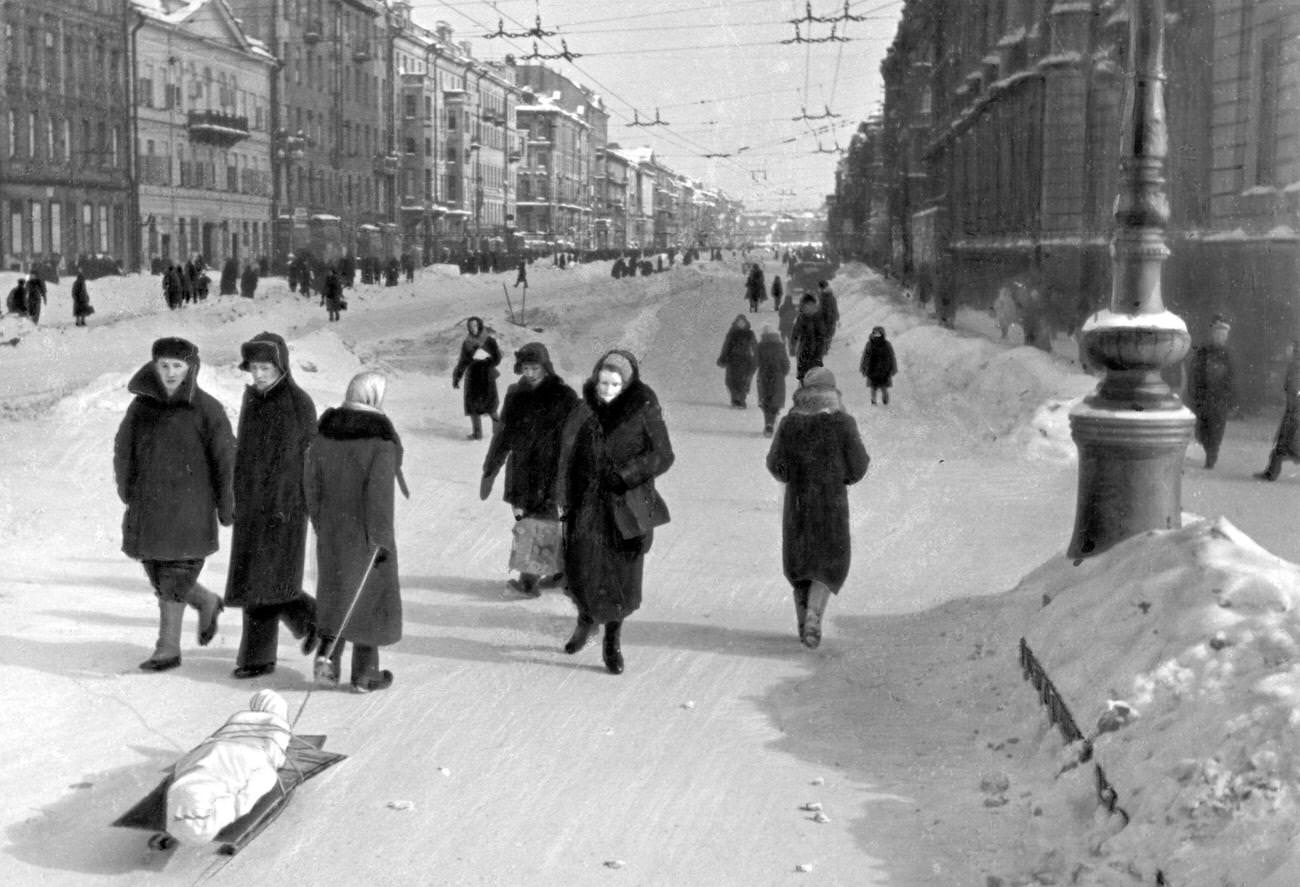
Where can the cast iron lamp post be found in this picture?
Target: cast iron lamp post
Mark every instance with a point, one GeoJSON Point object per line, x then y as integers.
{"type": "Point", "coordinates": [1133, 431]}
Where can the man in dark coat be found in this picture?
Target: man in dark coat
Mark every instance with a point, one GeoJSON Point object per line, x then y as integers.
{"type": "Point", "coordinates": [229, 282]}
{"type": "Point", "coordinates": [248, 281]}
{"type": "Point", "coordinates": [878, 364]}
{"type": "Point", "coordinates": [1287, 443]}
{"type": "Point", "coordinates": [755, 287]}
{"type": "Point", "coordinates": [174, 462]}
{"type": "Point", "coordinates": [331, 295]}
{"type": "Point", "coordinates": [773, 367]}
{"type": "Point", "coordinates": [477, 366]}
{"type": "Point", "coordinates": [522, 276]}
{"type": "Point", "coordinates": [739, 359]}
{"type": "Point", "coordinates": [81, 307]}
{"type": "Point", "coordinates": [1210, 388]}
{"type": "Point", "coordinates": [16, 303]}
{"type": "Point", "coordinates": [830, 309]}
{"type": "Point", "coordinates": [277, 422]}
{"type": "Point", "coordinates": [809, 341]}
{"type": "Point", "coordinates": [817, 453]}
{"type": "Point", "coordinates": [527, 441]}
{"type": "Point", "coordinates": [36, 297]}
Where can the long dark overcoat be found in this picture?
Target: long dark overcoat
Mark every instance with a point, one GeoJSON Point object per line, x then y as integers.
{"type": "Point", "coordinates": [351, 470]}
{"type": "Point", "coordinates": [269, 541]}
{"type": "Point", "coordinates": [528, 441]}
{"type": "Point", "coordinates": [174, 462]}
{"type": "Point", "coordinates": [878, 363]}
{"type": "Point", "coordinates": [229, 277]}
{"type": "Point", "coordinates": [80, 298]}
{"type": "Point", "coordinates": [1210, 382]}
{"type": "Point", "coordinates": [809, 342]}
{"type": "Point", "coordinates": [1287, 442]}
{"type": "Point", "coordinates": [614, 447]}
{"type": "Point", "coordinates": [479, 376]}
{"type": "Point", "coordinates": [773, 367]}
{"type": "Point", "coordinates": [817, 453]}
{"type": "Point", "coordinates": [755, 287]}
{"type": "Point", "coordinates": [738, 357]}
{"type": "Point", "coordinates": [248, 282]}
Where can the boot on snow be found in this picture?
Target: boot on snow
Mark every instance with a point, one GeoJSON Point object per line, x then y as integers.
{"type": "Point", "coordinates": [581, 634]}
{"type": "Point", "coordinates": [209, 604]}
{"type": "Point", "coordinates": [167, 650]}
{"type": "Point", "coordinates": [801, 606]}
{"type": "Point", "coordinates": [818, 596]}
{"type": "Point", "coordinates": [612, 654]}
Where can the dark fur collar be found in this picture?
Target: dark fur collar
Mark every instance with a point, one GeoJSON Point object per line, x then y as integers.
{"type": "Point", "coordinates": [145, 383]}
{"type": "Point", "coordinates": [631, 400]}
{"type": "Point", "coordinates": [550, 388]}
{"type": "Point", "coordinates": [337, 423]}
{"type": "Point", "coordinates": [810, 401]}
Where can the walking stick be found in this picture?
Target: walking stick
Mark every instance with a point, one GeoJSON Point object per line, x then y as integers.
{"type": "Point", "coordinates": [334, 641]}
{"type": "Point", "coordinates": [508, 304]}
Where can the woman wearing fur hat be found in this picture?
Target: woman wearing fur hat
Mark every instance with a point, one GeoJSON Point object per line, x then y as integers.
{"type": "Point", "coordinates": [352, 465]}
{"type": "Point", "coordinates": [739, 360]}
{"type": "Point", "coordinates": [773, 367]}
{"type": "Point", "coordinates": [527, 441]}
{"type": "Point", "coordinates": [277, 422]}
{"type": "Point", "coordinates": [479, 356]}
{"type": "Point", "coordinates": [878, 364]}
{"type": "Point", "coordinates": [817, 453]}
{"type": "Point", "coordinates": [810, 339]}
{"type": "Point", "coordinates": [174, 460]}
{"type": "Point", "coordinates": [616, 444]}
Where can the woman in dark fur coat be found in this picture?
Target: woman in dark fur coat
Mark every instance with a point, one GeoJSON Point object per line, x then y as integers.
{"type": "Point", "coordinates": [817, 453]}
{"type": "Point", "coordinates": [773, 367]}
{"type": "Point", "coordinates": [527, 441]}
{"type": "Point", "coordinates": [739, 359]}
{"type": "Point", "coordinates": [810, 339]}
{"type": "Point", "coordinates": [277, 422]}
{"type": "Point", "coordinates": [479, 356]}
{"type": "Point", "coordinates": [615, 445]}
{"type": "Point", "coordinates": [352, 466]}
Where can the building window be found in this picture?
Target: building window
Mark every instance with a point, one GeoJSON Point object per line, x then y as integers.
{"type": "Point", "coordinates": [56, 227]}
{"type": "Point", "coordinates": [11, 128]}
{"type": "Point", "coordinates": [1270, 55]}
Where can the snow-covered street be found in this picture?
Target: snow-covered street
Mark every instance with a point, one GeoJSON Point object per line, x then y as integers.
{"type": "Point", "coordinates": [495, 759]}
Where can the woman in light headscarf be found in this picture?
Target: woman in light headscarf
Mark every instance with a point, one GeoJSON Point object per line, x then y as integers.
{"type": "Point", "coordinates": [352, 466]}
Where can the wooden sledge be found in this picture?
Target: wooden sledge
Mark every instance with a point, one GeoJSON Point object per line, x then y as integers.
{"type": "Point", "coordinates": [304, 758]}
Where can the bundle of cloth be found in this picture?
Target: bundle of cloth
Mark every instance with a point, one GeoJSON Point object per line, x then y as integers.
{"type": "Point", "coordinates": [221, 779]}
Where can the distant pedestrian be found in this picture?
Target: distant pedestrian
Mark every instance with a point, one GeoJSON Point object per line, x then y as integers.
{"type": "Point", "coordinates": [777, 292]}
{"type": "Point", "coordinates": [522, 276]}
{"type": "Point", "coordinates": [830, 309]}
{"type": "Point", "coordinates": [477, 366]}
{"type": "Point", "coordinates": [1286, 445]}
{"type": "Point", "coordinates": [527, 442]}
{"type": "Point", "coordinates": [331, 295]}
{"type": "Point", "coordinates": [229, 282]}
{"type": "Point", "coordinates": [1005, 310]}
{"type": "Point", "coordinates": [755, 290]}
{"type": "Point", "coordinates": [81, 307]}
{"type": "Point", "coordinates": [352, 466]}
{"type": "Point", "coordinates": [36, 297]}
{"type": "Point", "coordinates": [248, 281]}
{"type": "Point", "coordinates": [809, 340]}
{"type": "Point", "coordinates": [616, 444]}
{"type": "Point", "coordinates": [16, 302]}
{"type": "Point", "coordinates": [773, 367]}
{"type": "Point", "coordinates": [740, 360]}
{"type": "Point", "coordinates": [817, 453]}
{"type": "Point", "coordinates": [1210, 392]}
{"type": "Point", "coordinates": [277, 421]}
{"type": "Point", "coordinates": [174, 460]}
{"type": "Point", "coordinates": [787, 312]}
{"type": "Point", "coordinates": [878, 364]}
{"type": "Point", "coordinates": [173, 291]}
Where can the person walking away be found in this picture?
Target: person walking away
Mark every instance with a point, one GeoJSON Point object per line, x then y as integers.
{"type": "Point", "coordinates": [277, 421]}
{"type": "Point", "coordinates": [809, 340]}
{"type": "Point", "coordinates": [773, 367]}
{"type": "Point", "coordinates": [787, 312]}
{"type": "Point", "coordinates": [331, 295]}
{"type": "Point", "coordinates": [527, 442]}
{"type": "Point", "coordinates": [739, 358]}
{"type": "Point", "coordinates": [81, 307]}
{"type": "Point", "coordinates": [777, 291]}
{"type": "Point", "coordinates": [248, 281]}
{"type": "Point", "coordinates": [817, 453]}
{"type": "Point", "coordinates": [477, 366]}
{"type": "Point", "coordinates": [36, 298]}
{"type": "Point", "coordinates": [1286, 446]}
{"type": "Point", "coordinates": [830, 310]}
{"type": "Point", "coordinates": [174, 464]}
{"type": "Point", "coordinates": [878, 364]}
{"type": "Point", "coordinates": [352, 466]}
{"type": "Point", "coordinates": [229, 277]}
{"type": "Point", "coordinates": [616, 443]}
{"type": "Point", "coordinates": [755, 290]}
{"type": "Point", "coordinates": [16, 302]}
{"type": "Point", "coordinates": [1210, 388]}
{"type": "Point", "coordinates": [522, 276]}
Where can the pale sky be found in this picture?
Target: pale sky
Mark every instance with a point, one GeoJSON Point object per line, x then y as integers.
{"type": "Point", "coordinates": [716, 72]}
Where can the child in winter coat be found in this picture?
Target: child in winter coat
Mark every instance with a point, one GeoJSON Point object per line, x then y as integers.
{"type": "Point", "coordinates": [878, 364]}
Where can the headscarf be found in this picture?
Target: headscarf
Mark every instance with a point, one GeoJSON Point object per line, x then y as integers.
{"type": "Point", "coordinates": [366, 392]}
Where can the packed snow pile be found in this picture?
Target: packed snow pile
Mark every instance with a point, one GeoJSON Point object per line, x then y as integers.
{"type": "Point", "coordinates": [1177, 654]}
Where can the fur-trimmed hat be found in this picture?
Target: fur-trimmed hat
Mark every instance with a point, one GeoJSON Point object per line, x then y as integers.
{"type": "Point", "coordinates": [819, 377]}
{"type": "Point", "coordinates": [263, 348]}
{"type": "Point", "coordinates": [533, 352]}
{"type": "Point", "coordinates": [175, 347]}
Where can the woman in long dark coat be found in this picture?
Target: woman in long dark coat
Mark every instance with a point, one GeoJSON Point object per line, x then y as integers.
{"type": "Point", "coordinates": [248, 281]}
{"type": "Point", "coordinates": [773, 367]}
{"type": "Point", "coordinates": [1286, 444]}
{"type": "Point", "coordinates": [787, 313]}
{"type": "Point", "coordinates": [616, 444]}
{"type": "Point", "coordinates": [229, 277]}
{"type": "Point", "coordinates": [755, 289]}
{"type": "Point", "coordinates": [777, 292]}
{"type": "Point", "coordinates": [352, 466]}
{"type": "Point", "coordinates": [739, 359]}
{"type": "Point", "coordinates": [878, 364]}
{"type": "Point", "coordinates": [810, 339]}
{"type": "Point", "coordinates": [817, 453]}
{"type": "Point", "coordinates": [277, 422]}
{"type": "Point", "coordinates": [81, 307]}
{"type": "Point", "coordinates": [479, 356]}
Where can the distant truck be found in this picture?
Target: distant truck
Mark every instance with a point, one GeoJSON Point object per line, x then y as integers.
{"type": "Point", "coordinates": [806, 268]}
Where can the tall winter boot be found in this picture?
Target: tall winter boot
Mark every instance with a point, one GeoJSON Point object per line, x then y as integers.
{"type": "Point", "coordinates": [818, 596]}
{"type": "Point", "coordinates": [801, 606]}
{"type": "Point", "coordinates": [167, 651]}
{"type": "Point", "coordinates": [581, 634]}
{"type": "Point", "coordinates": [613, 655]}
{"type": "Point", "coordinates": [209, 604]}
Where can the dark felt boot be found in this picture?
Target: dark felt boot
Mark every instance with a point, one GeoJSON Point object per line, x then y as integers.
{"type": "Point", "coordinates": [581, 634]}
{"type": "Point", "coordinates": [613, 655]}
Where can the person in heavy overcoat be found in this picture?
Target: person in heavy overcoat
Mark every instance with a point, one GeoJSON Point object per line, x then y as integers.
{"type": "Point", "coordinates": [277, 422]}
{"type": "Point", "coordinates": [331, 295]}
{"type": "Point", "coordinates": [527, 442]}
{"type": "Point", "coordinates": [817, 453]}
{"type": "Point", "coordinates": [755, 288]}
{"type": "Point", "coordinates": [1286, 445]}
{"type": "Point", "coordinates": [174, 463]}
{"type": "Point", "coordinates": [248, 281]}
{"type": "Point", "coordinates": [787, 313]}
{"type": "Point", "coordinates": [777, 292]}
{"type": "Point", "coordinates": [16, 303]}
{"type": "Point", "coordinates": [352, 466]}
{"type": "Point", "coordinates": [229, 282]}
{"type": "Point", "coordinates": [1210, 388]}
{"type": "Point", "coordinates": [171, 287]}
{"type": "Point", "coordinates": [739, 358]}
{"type": "Point", "coordinates": [809, 340]}
{"type": "Point", "coordinates": [81, 307]}
{"type": "Point", "coordinates": [830, 308]}
{"type": "Point", "coordinates": [773, 367]}
{"type": "Point", "coordinates": [615, 445]}
{"type": "Point", "coordinates": [477, 366]}
{"type": "Point", "coordinates": [878, 364]}
{"type": "Point", "coordinates": [36, 297]}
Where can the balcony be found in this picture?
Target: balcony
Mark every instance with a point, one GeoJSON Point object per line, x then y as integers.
{"type": "Point", "coordinates": [217, 128]}
{"type": "Point", "coordinates": [387, 164]}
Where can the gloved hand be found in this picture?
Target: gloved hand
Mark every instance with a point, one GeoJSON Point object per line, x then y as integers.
{"type": "Point", "coordinates": [485, 487]}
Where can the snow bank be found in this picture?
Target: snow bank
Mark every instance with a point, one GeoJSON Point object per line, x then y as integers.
{"type": "Point", "coordinates": [1197, 632]}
